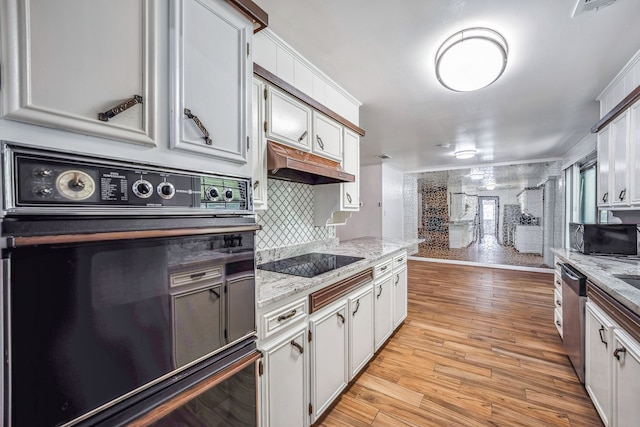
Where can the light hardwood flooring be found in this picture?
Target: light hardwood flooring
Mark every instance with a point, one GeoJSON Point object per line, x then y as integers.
{"type": "Point", "coordinates": [478, 348]}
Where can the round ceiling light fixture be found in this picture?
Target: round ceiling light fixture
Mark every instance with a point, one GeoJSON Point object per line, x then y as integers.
{"type": "Point", "coordinates": [471, 59]}
{"type": "Point", "coordinates": [464, 154]}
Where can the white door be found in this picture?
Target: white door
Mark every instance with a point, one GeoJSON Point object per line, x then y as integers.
{"type": "Point", "coordinates": [82, 66]}
{"type": "Point", "coordinates": [360, 309]}
{"type": "Point", "coordinates": [399, 296]}
{"type": "Point", "coordinates": [284, 383]}
{"type": "Point", "coordinates": [327, 138]}
{"type": "Point", "coordinates": [258, 146]}
{"type": "Point", "coordinates": [351, 164]}
{"type": "Point", "coordinates": [634, 154]}
{"type": "Point", "coordinates": [288, 120]}
{"type": "Point", "coordinates": [598, 359]}
{"type": "Point", "coordinates": [383, 310]}
{"type": "Point", "coordinates": [211, 73]}
{"type": "Point", "coordinates": [626, 380]}
{"type": "Point", "coordinates": [604, 165]}
{"type": "Point", "coordinates": [329, 358]}
{"type": "Point", "coordinates": [619, 140]}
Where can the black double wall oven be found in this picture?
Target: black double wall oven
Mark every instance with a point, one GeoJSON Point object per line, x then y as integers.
{"type": "Point", "coordinates": [128, 294]}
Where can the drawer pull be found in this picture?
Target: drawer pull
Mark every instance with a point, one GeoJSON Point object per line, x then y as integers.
{"type": "Point", "coordinates": [111, 113]}
{"type": "Point", "coordinates": [341, 317]}
{"type": "Point", "coordinates": [601, 332]}
{"type": "Point", "coordinates": [383, 268]}
{"type": "Point", "coordinates": [400, 260]}
{"type": "Point", "coordinates": [357, 307]}
{"type": "Point", "coordinates": [616, 353]}
{"type": "Point", "coordinates": [198, 123]}
{"type": "Point", "coordinates": [198, 275]}
{"type": "Point", "coordinates": [297, 346]}
{"type": "Point", "coordinates": [289, 315]}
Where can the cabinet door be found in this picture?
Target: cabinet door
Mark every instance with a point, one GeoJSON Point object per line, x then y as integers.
{"type": "Point", "coordinates": [399, 296]}
{"type": "Point", "coordinates": [626, 380]}
{"type": "Point", "coordinates": [351, 164]}
{"type": "Point", "coordinates": [604, 171]}
{"type": "Point", "coordinates": [619, 145]}
{"type": "Point", "coordinates": [329, 358]}
{"type": "Point", "coordinates": [211, 72]}
{"type": "Point", "coordinates": [284, 397]}
{"type": "Point", "coordinates": [598, 360]}
{"type": "Point", "coordinates": [258, 146]}
{"type": "Point", "coordinates": [360, 310]}
{"type": "Point", "coordinates": [634, 154]}
{"type": "Point", "coordinates": [327, 138]}
{"type": "Point", "coordinates": [76, 59]}
{"type": "Point", "coordinates": [383, 310]}
{"type": "Point", "coordinates": [288, 121]}
{"type": "Point", "coordinates": [241, 295]}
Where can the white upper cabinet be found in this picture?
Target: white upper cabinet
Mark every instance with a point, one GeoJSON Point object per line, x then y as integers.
{"type": "Point", "coordinates": [634, 153]}
{"type": "Point", "coordinates": [258, 147]}
{"type": "Point", "coordinates": [211, 70]}
{"type": "Point", "coordinates": [327, 137]}
{"type": "Point", "coordinates": [604, 165]}
{"type": "Point", "coordinates": [288, 120]}
{"type": "Point", "coordinates": [619, 151]}
{"type": "Point", "coordinates": [82, 66]}
{"type": "Point", "coordinates": [351, 164]}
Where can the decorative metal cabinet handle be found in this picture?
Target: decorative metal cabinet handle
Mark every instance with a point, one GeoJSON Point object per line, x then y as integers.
{"type": "Point", "coordinates": [400, 260]}
{"type": "Point", "coordinates": [349, 198]}
{"type": "Point", "coordinates": [297, 346]}
{"type": "Point", "coordinates": [397, 279]}
{"type": "Point", "coordinates": [303, 136]}
{"type": "Point", "coordinates": [341, 317]}
{"type": "Point", "coordinates": [601, 331]}
{"type": "Point", "coordinates": [215, 293]}
{"type": "Point", "coordinates": [357, 307]}
{"type": "Point", "coordinates": [110, 114]}
{"type": "Point", "coordinates": [198, 123]}
{"type": "Point", "coordinates": [616, 353]}
{"type": "Point", "coordinates": [384, 268]}
{"type": "Point", "coordinates": [622, 194]}
{"type": "Point", "coordinates": [605, 197]}
{"type": "Point", "coordinates": [256, 184]}
{"type": "Point", "coordinates": [320, 143]}
{"type": "Point", "coordinates": [289, 315]}
{"type": "Point", "coordinates": [379, 292]}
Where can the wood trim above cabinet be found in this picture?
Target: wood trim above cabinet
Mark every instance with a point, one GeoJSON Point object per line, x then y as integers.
{"type": "Point", "coordinates": [293, 91]}
{"type": "Point", "coordinates": [331, 293]}
{"type": "Point", "coordinates": [617, 110]}
{"type": "Point", "coordinates": [259, 17]}
{"type": "Point", "coordinates": [628, 320]}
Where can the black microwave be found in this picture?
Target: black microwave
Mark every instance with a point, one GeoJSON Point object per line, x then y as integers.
{"type": "Point", "coordinates": [620, 239]}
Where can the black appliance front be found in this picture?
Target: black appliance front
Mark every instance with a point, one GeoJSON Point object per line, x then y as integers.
{"type": "Point", "coordinates": [613, 239]}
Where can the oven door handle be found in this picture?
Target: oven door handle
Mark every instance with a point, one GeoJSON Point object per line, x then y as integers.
{"type": "Point", "coordinates": [21, 241]}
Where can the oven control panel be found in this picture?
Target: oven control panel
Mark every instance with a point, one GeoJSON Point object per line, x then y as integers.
{"type": "Point", "coordinates": [53, 181]}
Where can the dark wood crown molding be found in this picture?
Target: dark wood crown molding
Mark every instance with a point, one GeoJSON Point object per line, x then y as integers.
{"type": "Point", "coordinates": [293, 91]}
{"type": "Point", "coordinates": [617, 110]}
{"type": "Point", "coordinates": [259, 17]}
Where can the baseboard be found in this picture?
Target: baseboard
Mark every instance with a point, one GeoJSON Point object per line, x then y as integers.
{"type": "Point", "coordinates": [482, 264]}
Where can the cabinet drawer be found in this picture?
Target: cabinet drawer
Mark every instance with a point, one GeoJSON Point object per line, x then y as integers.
{"type": "Point", "coordinates": [557, 320]}
{"type": "Point", "coordinates": [281, 317]}
{"type": "Point", "coordinates": [399, 260]}
{"type": "Point", "coordinates": [209, 274]}
{"type": "Point", "coordinates": [382, 269]}
{"type": "Point", "coordinates": [557, 299]}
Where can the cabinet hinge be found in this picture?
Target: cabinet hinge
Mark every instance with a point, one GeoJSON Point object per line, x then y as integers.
{"type": "Point", "coordinates": [310, 337]}
{"type": "Point", "coordinates": [247, 143]}
{"type": "Point", "coordinates": [265, 93]}
{"type": "Point", "coordinates": [310, 409]}
{"type": "Point", "coordinates": [266, 126]}
{"type": "Point", "coordinates": [260, 368]}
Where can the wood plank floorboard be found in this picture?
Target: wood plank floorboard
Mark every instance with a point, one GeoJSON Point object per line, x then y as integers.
{"type": "Point", "coordinates": [478, 348]}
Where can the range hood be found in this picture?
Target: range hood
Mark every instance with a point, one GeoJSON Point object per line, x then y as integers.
{"type": "Point", "coordinates": [291, 164]}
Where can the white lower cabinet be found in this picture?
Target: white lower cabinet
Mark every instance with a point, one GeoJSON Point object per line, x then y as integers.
{"type": "Point", "coordinates": [383, 325]}
{"type": "Point", "coordinates": [598, 339]}
{"type": "Point", "coordinates": [360, 329]}
{"type": "Point", "coordinates": [329, 356]}
{"type": "Point", "coordinates": [284, 381]}
{"type": "Point", "coordinates": [626, 380]}
{"type": "Point", "coordinates": [399, 296]}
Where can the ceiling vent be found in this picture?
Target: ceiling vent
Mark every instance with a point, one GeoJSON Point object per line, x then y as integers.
{"type": "Point", "coordinates": [587, 5]}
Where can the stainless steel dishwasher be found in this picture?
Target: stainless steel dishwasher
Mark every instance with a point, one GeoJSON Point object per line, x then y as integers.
{"type": "Point", "coordinates": [574, 299]}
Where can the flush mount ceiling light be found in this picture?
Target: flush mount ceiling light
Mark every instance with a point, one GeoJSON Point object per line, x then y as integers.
{"type": "Point", "coordinates": [464, 154]}
{"type": "Point", "coordinates": [471, 59]}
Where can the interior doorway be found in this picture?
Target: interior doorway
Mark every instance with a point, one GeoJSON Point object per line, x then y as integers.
{"type": "Point", "coordinates": [489, 219]}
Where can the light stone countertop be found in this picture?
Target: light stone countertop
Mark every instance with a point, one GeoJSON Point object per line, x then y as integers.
{"type": "Point", "coordinates": [600, 270]}
{"type": "Point", "coordinates": [273, 287]}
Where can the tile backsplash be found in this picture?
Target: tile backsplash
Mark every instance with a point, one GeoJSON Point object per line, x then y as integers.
{"type": "Point", "coordinates": [289, 218]}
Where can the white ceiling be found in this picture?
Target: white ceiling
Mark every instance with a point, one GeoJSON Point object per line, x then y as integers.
{"type": "Point", "coordinates": [383, 53]}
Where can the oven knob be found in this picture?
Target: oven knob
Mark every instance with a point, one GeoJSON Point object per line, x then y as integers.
{"type": "Point", "coordinates": [44, 172]}
{"type": "Point", "coordinates": [212, 194]}
{"type": "Point", "coordinates": [142, 188]}
{"type": "Point", "coordinates": [44, 192]}
{"type": "Point", "coordinates": [166, 190]}
{"type": "Point", "coordinates": [228, 195]}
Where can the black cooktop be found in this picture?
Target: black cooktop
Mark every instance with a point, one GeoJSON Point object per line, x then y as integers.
{"type": "Point", "coordinates": [309, 265]}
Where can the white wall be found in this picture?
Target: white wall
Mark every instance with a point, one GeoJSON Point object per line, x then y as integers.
{"type": "Point", "coordinates": [392, 203]}
{"type": "Point", "coordinates": [368, 221]}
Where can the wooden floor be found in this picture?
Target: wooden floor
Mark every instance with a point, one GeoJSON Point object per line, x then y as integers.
{"type": "Point", "coordinates": [478, 348]}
